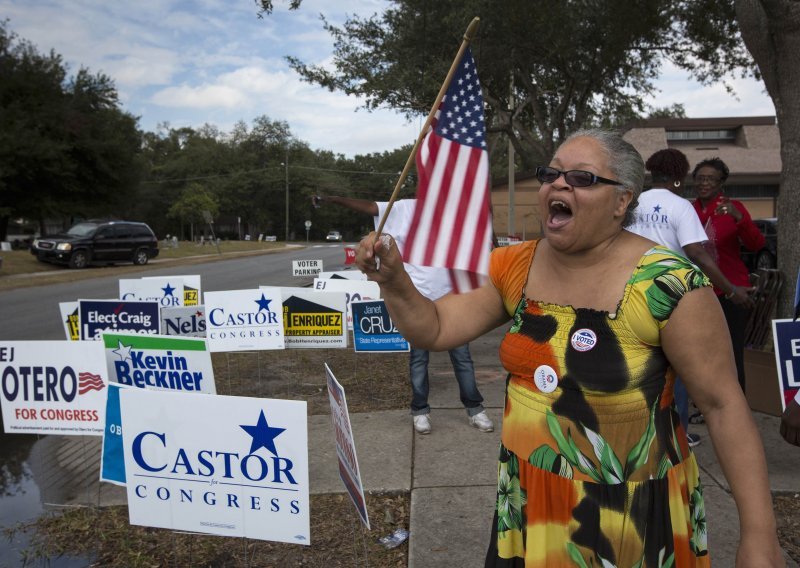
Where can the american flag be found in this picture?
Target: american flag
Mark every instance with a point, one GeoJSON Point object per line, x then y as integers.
{"type": "Point", "coordinates": [88, 382]}
{"type": "Point", "coordinates": [452, 225]}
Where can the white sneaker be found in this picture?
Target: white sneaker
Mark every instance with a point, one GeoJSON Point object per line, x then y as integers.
{"type": "Point", "coordinates": [482, 422]}
{"type": "Point", "coordinates": [422, 423]}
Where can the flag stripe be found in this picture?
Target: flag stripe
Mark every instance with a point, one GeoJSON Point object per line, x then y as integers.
{"type": "Point", "coordinates": [451, 226]}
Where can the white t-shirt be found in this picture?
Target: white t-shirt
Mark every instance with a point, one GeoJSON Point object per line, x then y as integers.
{"type": "Point", "coordinates": [432, 282]}
{"type": "Point", "coordinates": [667, 219]}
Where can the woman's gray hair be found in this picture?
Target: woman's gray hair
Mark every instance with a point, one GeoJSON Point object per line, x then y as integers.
{"type": "Point", "coordinates": [623, 160]}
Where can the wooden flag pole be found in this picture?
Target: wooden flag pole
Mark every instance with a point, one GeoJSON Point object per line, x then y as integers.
{"type": "Point", "coordinates": [468, 35]}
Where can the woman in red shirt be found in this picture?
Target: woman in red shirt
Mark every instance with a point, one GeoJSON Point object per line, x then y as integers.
{"type": "Point", "coordinates": [729, 226]}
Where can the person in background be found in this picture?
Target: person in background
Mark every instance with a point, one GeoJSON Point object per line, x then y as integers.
{"type": "Point", "coordinates": [433, 283]}
{"type": "Point", "coordinates": [663, 216]}
{"type": "Point", "coordinates": [729, 226]}
{"type": "Point", "coordinates": [591, 471]}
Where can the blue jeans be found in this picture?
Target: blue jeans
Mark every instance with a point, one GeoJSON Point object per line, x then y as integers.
{"type": "Point", "coordinates": [465, 375]}
{"type": "Point", "coordinates": [682, 402]}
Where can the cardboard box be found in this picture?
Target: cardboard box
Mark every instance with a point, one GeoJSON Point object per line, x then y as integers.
{"type": "Point", "coordinates": [761, 382]}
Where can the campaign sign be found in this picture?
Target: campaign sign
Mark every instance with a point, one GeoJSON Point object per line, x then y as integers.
{"type": "Point", "coordinates": [343, 275]}
{"type": "Point", "coordinates": [355, 291]}
{"type": "Point", "coordinates": [314, 319]}
{"type": "Point", "coordinates": [224, 465]}
{"type": "Point", "coordinates": [346, 446]}
{"type": "Point", "coordinates": [112, 456]}
{"type": "Point", "coordinates": [786, 337]}
{"type": "Point", "coordinates": [349, 255]}
{"type": "Point", "coordinates": [167, 291]}
{"type": "Point", "coordinates": [306, 267]}
{"type": "Point", "coordinates": [189, 321]}
{"type": "Point", "coordinates": [53, 387]}
{"type": "Point", "coordinates": [115, 316]}
{"type": "Point", "coordinates": [244, 320]}
{"type": "Point", "coordinates": [69, 317]}
{"type": "Point", "coordinates": [374, 330]}
{"type": "Point", "coordinates": [159, 362]}
{"type": "Point", "coordinates": [191, 288]}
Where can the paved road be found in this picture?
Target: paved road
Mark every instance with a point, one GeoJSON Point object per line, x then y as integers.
{"type": "Point", "coordinates": [32, 313]}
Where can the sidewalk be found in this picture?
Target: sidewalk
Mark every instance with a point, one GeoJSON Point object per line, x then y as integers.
{"type": "Point", "coordinates": [451, 472]}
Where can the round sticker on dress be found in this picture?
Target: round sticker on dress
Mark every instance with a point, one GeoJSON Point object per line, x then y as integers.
{"type": "Point", "coordinates": [545, 378]}
{"type": "Point", "coordinates": [583, 340]}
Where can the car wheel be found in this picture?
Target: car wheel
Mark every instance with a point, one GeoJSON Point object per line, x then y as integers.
{"type": "Point", "coordinates": [140, 257]}
{"type": "Point", "coordinates": [79, 259]}
{"type": "Point", "coordinates": [765, 260]}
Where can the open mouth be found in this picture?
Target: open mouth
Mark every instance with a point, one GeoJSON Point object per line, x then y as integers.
{"type": "Point", "coordinates": [559, 214]}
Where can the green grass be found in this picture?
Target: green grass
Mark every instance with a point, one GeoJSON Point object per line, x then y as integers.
{"type": "Point", "coordinates": [21, 269]}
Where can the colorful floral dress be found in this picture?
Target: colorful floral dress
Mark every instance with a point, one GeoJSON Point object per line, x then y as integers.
{"type": "Point", "coordinates": [594, 467]}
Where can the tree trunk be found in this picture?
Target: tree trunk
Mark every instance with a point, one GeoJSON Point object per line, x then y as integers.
{"type": "Point", "coordinates": [771, 32]}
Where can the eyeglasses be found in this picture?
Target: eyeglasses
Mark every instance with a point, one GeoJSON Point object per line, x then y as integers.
{"type": "Point", "coordinates": [706, 179]}
{"type": "Point", "coordinates": [575, 178]}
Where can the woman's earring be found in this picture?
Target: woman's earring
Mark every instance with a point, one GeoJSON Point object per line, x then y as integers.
{"type": "Point", "coordinates": [676, 183]}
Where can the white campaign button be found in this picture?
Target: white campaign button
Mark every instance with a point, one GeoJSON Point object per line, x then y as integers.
{"type": "Point", "coordinates": [583, 340]}
{"type": "Point", "coordinates": [545, 378]}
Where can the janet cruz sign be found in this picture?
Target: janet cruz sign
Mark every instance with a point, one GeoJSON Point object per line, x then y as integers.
{"type": "Point", "coordinates": [168, 292]}
{"type": "Point", "coordinates": [159, 362]}
{"type": "Point", "coordinates": [374, 330]}
{"type": "Point", "coordinates": [53, 387]}
{"type": "Point", "coordinates": [346, 446]}
{"type": "Point", "coordinates": [786, 337]}
{"type": "Point", "coordinates": [114, 316]}
{"type": "Point", "coordinates": [230, 466]}
{"type": "Point", "coordinates": [244, 320]}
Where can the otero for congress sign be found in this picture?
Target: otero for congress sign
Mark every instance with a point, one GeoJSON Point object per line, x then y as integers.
{"type": "Point", "coordinates": [221, 465]}
{"type": "Point", "coordinates": [159, 362]}
{"type": "Point", "coordinates": [53, 387]}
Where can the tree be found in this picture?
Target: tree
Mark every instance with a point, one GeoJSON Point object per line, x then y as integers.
{"type": "Point", "coordinates": [66, 148]}
{"type": "Point", "coordinates": [571, 63]}
{"type": "Point", "coordinates": [189, 207]}
{"type": "Point", "coordinates": [771, 31]}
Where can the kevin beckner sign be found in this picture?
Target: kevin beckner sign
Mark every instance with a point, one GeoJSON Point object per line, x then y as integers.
{"type": "Point", "coordinates": [306, 267]}
{"type": "Point", "coordinates": [53, 387]}
{"type": "Point", "coordinates": [159, 362]}
{"type": "Point", "coordinates": [224, 465]}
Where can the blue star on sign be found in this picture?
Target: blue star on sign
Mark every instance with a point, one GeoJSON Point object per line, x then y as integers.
{"type": "Point", "coordinates": [263, 435]}
{"type": "Point", "coordinates": [168, 290]}
{"type": "Point", "coordinates": [263, 303]}
{"type": "Point", "coordinates": [657, 209]}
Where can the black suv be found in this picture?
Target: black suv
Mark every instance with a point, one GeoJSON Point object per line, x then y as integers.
{"type": "Point", "coordinates": [98, 241]}
{"type": "Point", "coordinates": [767, 257]}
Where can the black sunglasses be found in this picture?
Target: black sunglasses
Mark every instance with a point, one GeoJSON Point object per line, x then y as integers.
{"type": "Point", "coordinates": [575, 178]}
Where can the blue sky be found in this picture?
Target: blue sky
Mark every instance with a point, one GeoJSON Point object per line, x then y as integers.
{"type": "Point", "coordinates": [213, 61]}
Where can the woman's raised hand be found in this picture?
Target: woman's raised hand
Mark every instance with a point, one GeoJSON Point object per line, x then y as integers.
{"type": "Point", "coordinates": [379, 258]}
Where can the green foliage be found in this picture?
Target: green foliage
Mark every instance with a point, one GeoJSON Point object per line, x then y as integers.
{"type": "Point", "coordinates": [66, 148]}
{"type": "Point", "coordinates": [546, 69]}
